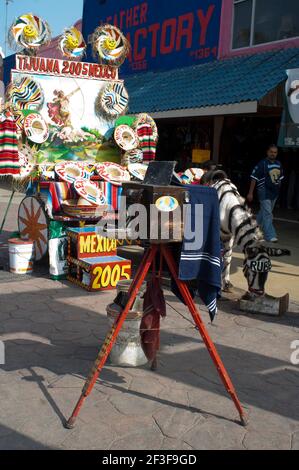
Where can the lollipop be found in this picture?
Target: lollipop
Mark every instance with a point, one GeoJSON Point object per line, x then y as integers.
{"type": "Point", "coordinates": [110, 44]}
{"type": "Point", "coordinates": [30, 32]}
{"type": "Point", "coordinates": [25, 93]}
{"type": "Point", "coordinates": [72, 43]}
{"type": "Point", "coordinates": [112, 100]}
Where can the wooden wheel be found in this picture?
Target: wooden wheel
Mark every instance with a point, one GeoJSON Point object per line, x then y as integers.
{"type": "Point", "coordinates": [33, 224]}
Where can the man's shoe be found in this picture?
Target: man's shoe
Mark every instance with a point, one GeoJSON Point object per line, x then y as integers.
{"type": "Point", "coordinates": [274, 240]}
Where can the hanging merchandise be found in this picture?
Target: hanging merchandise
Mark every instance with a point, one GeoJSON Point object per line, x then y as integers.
{"type": "Point", "coordinates": [72, 44]}
{"type": "Point", "coordinates": [147, 132]}
{"type": "Point", "coordinates": [111, 46]}
{"type": "Point", "coordinates": [29, 32]}
{"type": "Point", "coordinates": [144, 118]}
{"type": "Point", "coordinates": [125, 137]}
{"type": "Point", "coordinates": [24, 93]}
{"type": "Point", "coordinates": [9, 157]}
{"type": "Point", "coordinates": [112, 100]}
{"type": "Point", "coordinates": [36, 128]}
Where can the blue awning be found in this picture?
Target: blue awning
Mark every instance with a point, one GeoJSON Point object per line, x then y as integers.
{"type": "Point", "coordinates": [240, 79]}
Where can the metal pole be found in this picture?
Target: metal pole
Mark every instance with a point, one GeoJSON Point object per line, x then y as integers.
{"type": "Point", "coordinates": [6, 26]}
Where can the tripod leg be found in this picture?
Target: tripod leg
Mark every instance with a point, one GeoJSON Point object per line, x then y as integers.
{"type": "Point", "coordinates": [204, 334]}
{"type": "Point", "coordinates": [113, 333]}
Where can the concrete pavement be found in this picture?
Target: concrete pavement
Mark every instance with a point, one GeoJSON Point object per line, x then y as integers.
{"type": "Point", "coordinates": [52, 331]}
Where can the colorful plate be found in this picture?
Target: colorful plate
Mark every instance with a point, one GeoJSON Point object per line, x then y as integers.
{"type": "Point", "coordinates": [113, 173]}
{"type": "Point", "coordinates": [69, 172]}
{"type": "Point", "coordinates": [137, 170]}
{"type": "Point", "coordinates": [89, 191]}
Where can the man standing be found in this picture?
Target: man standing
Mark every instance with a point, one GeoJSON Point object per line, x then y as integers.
{"type": "Point", "coordinates": [267, 176]}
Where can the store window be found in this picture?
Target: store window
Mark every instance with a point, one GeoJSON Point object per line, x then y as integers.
{"type": "Point", "coordinates": [263, 21]}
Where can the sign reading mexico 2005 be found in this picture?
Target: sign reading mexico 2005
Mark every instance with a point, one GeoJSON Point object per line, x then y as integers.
{"type": "Point", "coordinates": [164, 34]}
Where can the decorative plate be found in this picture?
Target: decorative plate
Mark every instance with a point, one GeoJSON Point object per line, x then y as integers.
{"type": "Point", "coordinates": [113, 173]}
{"type": "Point", "coordinates": [36, 128]}
{"type": "Point", "coordinates": [69, 172]}
{"type": "Point", "coordinates": [137, 170]}
{"type": "Point", "coordinates": [89, 191]}
{"type": "Point", "coordinates": [125, 137]}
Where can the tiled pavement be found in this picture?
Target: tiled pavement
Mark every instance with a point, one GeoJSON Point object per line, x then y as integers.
{"type": "Point", "coordinates": [52, 331]}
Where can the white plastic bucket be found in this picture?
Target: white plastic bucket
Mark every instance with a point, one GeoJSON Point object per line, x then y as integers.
{"type": "Point", "coordinates": [21, 254]}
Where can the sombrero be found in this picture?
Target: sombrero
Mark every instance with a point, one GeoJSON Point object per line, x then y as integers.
{"type": "Point", "coordinates": [125, 137]}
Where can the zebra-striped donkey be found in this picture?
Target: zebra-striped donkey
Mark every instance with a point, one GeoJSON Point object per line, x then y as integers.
{"type": "Point", "coordinates": [239, 228]}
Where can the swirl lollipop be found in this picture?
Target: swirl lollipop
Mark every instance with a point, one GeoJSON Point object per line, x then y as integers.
{"type": "Point", "coordinates": [30, 32]}
{"type": "Point", "coordinates": [110, 44]}
{"type": "Point", "coordinates": [72, 43]}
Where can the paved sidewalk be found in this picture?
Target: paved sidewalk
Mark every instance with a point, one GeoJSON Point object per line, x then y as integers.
{"type": "Point", "coordinates": [52, 331]}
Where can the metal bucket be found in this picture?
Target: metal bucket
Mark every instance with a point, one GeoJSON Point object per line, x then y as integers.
{"type": "Point", "coordinates": [127, 350]}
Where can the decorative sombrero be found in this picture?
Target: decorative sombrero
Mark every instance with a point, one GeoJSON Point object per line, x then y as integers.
{"type": "Point", "coordinates": [89, 191]}
{"type": "Point", "coordinates": [30, 32]}
{"type": "Point", "coordinates": [111, 46]}
{"type": "Point", "coordinates": [137, 170]}
{"type": "Point", "coordinates": [132, 156]}
{"type": "Point", "coordinates": [77, 208]}
{"type": "Point", "coordinates": [72, 43]}
{"type": "Point", "coordinates": [24, 93]}
{"type": "Point", "coordinates": [112, 100]}
{"type": "Point", "coordinates": [27, 161]}
{"type": "Point", "coordinates": [36, 128]}
{"type": "Point", "coordinates": [125, 137]}
{"type": "Point", "coordinates": [113, 173]}
{"type": "Point", "coordinates": [69, 171]}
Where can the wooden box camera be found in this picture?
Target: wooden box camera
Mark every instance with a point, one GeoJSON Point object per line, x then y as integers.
{"type": "Point", "coordinates": [164, 209]}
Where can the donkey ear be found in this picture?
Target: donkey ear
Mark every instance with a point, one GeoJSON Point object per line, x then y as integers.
{"type": "Point", "coordinates": [277, 251]}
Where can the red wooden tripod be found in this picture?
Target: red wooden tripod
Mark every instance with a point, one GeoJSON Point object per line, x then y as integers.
{"type": "Point", "coordinates": [112, 334]}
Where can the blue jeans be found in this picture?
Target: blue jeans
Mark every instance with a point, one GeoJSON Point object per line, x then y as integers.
{"type": "Point", "coordinates": [265, 218]}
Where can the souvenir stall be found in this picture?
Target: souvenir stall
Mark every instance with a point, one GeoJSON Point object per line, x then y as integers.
{"type": "Point", "coordinates": [66, 138]}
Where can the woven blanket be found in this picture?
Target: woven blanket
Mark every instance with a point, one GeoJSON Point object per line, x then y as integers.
{"type": "Point", "coordinates": [146, 141]}
{"type": "Point", "coordinates": [9, 156]}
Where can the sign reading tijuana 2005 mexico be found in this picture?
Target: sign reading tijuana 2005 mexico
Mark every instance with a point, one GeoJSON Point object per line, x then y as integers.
{"type": "Point", "coordinates": [164, 34]}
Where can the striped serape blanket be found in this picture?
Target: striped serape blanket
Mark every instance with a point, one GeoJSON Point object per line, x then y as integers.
{"type": "Point", "coordinates": [147, 143]}
{"type": "Point", "coordinates": [9, 156]}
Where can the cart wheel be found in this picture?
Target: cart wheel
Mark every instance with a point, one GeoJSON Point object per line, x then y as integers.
{"type": "Point", "coordinates": [33, 224]}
